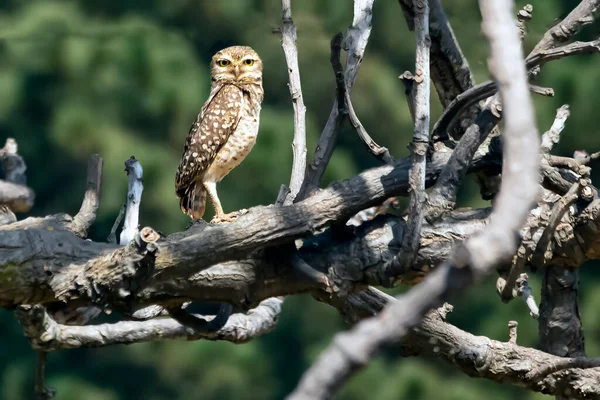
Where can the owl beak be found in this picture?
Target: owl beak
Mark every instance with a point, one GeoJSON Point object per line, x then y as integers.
{"type": "Point", "coordinates": [236, 71]}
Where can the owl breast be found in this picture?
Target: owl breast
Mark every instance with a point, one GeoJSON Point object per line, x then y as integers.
{"type": "Point", "coordinates": [238, 145]}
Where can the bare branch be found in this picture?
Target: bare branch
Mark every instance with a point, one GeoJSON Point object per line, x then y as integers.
{"type": "Point", "coordinates": [135, 187]}
{"type": "Point", "coordinates": [450, 71]}
{"type": "Point", "coordinates": [582, 15]}
{"type": "Point", "coordinates": [46, 334]}
{"type": "Point", "coordinates": [378, 151]}
{"type": "Point", "coordinates": [480, 253]}
{"type": "Point", "coordinates": [112, 236]}
{"type": "Point", "coordinates": [512, 333]}
{"type": "Point", "coordinates": [479, 356]}
{"type": "Point", "coordinates": [288, 42]}
{"type": "Point", "coordinates": [524, 16]}
{"type": "Point", "coordinates": [420, 142]}
{"type": "Point", "coordinates": [41, 391]}
{"type": "Point", "coordinates": [442, 197]}
{"type": "Point", "coordinates": [552, 136]}
{"type": "Point", "coordinates": [572, 49]}
{"type": "Point", "coordinates": [91, 201]}
{"type": "Point", "coordinates": [354, 43]}
{"type": "Point", "coordinates": [525, 291]}
{"type": "Point", "coordinates": [408, 80]}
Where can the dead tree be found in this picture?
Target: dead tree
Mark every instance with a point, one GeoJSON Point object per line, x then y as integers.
{"type": "Point", "coordinates": [545, 215]}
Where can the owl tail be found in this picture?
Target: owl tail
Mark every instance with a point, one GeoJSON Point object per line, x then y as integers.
{"type": "Point", "coordinates": [193, 200]}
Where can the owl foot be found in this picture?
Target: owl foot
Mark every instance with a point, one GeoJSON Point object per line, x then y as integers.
{"type": "Point", "coordinates": [220, 218]}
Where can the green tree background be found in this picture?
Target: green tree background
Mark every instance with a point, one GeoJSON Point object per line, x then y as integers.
{"type": "Point", "coordinates": [123, 77]}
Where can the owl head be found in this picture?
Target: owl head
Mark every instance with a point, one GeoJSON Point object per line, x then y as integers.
{"type": "Point", "coordinates": [238, 64]}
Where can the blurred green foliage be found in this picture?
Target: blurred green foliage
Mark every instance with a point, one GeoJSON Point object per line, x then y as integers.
{"type": "Point", "coordinates": [123, 77]}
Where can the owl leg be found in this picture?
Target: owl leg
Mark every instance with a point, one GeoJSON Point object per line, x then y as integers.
{"type": "Point", "coordinates": [220, 216]}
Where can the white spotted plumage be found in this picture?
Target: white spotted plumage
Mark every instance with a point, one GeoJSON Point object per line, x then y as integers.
{"type": "Point", "coordinates": [224, 132]}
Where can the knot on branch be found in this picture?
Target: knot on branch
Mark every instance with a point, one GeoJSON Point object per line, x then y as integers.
{"type": "Point", "coordinates": [40, 329]}
{"type": "Point", "coordinates": [115, 278]}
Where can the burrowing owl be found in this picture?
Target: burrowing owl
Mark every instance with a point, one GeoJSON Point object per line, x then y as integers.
{"type": "Point", "coordinates": [224, 132]}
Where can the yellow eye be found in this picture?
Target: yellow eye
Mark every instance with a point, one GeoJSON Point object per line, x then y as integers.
{"type": "Point", "coordinates": [249, 62]}
{"type": "Point", "coordinates": [223, 63]}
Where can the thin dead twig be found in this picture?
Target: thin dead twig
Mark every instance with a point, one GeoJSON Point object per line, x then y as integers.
{"type": "Point", "coordinates": [135, 187]}
{"type": "Point", "coordinates": [378, 151]}
{"type": "Point", "coordinates": [288, 43]}
{"type": "Point", "coordinates": [41, 391]}
{"type": "Point", "coordinates": [112, 236]}
{"type": "Point", "coordinates": [552, 136]}
{"type": "Point", "coordinates": [86, 216]}
{"type": "Point", "coordinates": [420, 142]}
{"type": "Point", "coordinates": [354, 43]}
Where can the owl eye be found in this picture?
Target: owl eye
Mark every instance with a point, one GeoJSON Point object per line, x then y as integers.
{"type": "Point", "coordinates": [223, 63]}
{"type": "Point", "coordinates": [249, 62]}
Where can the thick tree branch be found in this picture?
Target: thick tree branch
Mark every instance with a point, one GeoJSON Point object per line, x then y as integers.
{"type": "Point", "coordinates": [288, 42]}
{"type": "Point", "coordinates": [560, 329]}
{"type": "Point", "coordinates": [46, 334]}
{"type": "Point", "coordinates": [481, 357]}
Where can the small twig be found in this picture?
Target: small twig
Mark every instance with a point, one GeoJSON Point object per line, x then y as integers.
{"type": "Point", "coordinates": [91, 201]}
{"type": "Point", "coordinates": [507, 287]}
{"type": "Point", "coordinates": [284, 191]}
{"type": "Point", "coordinates": [525, 291]}
{"type": "Point", "coordinates": [112, 236]}
{"type": "Point", "coordinates": [512, 331]}
{"type": "Point", "coordinates": [552, 136]}
{"type": "Point", "coordinates": [572, 49]}
{"type": "Point", "coordinates": [354, 42]}
{"type": "Point", "coordinates": [542, 91]}
{"type": "Point", "coordinates": [408, 80]}
{"type": "Point", "coordinates": [378, 151]}
{"type": "Point", "coordinates": [135, 187]}
{"type": "Point", "coordinates": [288, 42]}
{"type": "Point", "coordinates": [524, 16]}
{"type": "Point", "coordinates": [326, 144]}
{"type": "Point", "coordinates": [41, 391]}
{"type": "Point", "coordinates": [420, 142]}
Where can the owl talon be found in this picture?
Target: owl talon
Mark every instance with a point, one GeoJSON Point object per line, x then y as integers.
{"type": "Point", "coordinates": [218, 219]}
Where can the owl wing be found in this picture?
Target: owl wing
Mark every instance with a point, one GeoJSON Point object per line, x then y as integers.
{"type": "Point", "coordinates": [217, 120]}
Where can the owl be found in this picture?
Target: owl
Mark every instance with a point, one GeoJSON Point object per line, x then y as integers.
{"type": "Point", "coordinates": [224, 132]}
